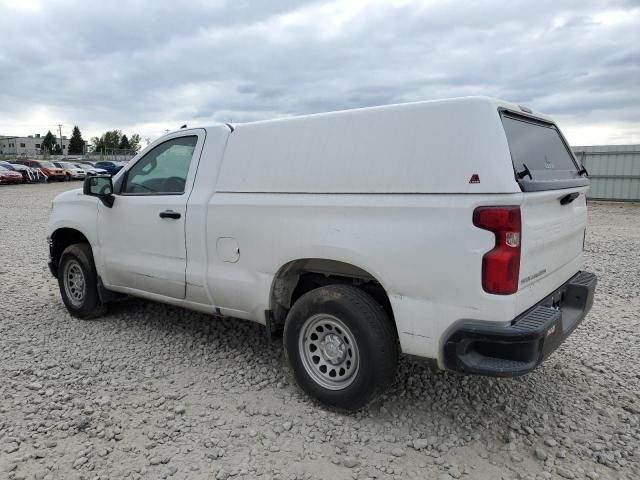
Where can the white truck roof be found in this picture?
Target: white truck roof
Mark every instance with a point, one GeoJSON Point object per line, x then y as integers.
{"type": "Point", "coordinates": [422, 147]}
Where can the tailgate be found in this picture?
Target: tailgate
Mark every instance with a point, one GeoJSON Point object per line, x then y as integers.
{"type": "Point", "coordinates": [553, 209]}
{"type": "Point", "coordinates": [552, 242]}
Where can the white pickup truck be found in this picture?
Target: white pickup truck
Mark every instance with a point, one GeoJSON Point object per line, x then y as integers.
{"type": "Point", "coordinates": [451, 230]}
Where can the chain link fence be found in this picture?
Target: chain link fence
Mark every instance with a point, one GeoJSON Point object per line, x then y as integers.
{"type": "Point", "coordinates": [116, 155]}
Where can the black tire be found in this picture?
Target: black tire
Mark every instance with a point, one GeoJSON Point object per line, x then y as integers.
{"type": "Point", "coordinates": [371, 328]}
{"type": "Point", "coordinates": [74, 257]}
{"type": "Point", "coordinates": [67, 177]}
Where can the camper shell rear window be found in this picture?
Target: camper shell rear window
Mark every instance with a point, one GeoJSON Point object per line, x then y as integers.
{"type": "Point", "coordinates": [541, 158]}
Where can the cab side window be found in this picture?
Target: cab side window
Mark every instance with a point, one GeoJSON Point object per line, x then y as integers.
{"type": "Point", "coordinates": [162, 171]}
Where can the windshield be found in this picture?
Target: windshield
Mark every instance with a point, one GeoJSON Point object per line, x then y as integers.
{"type": "Point", "coordinates": [46, 164]}
{"type": "Point", "coordinates": [541, 159]}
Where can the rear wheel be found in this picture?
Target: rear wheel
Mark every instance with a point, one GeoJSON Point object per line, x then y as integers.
{"type": "Point", "coordinates": [341, 346]}
{"type": "Point", "coordinates": [78, 282]}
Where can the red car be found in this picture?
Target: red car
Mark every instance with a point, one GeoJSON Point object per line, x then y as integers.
{"type": "Point", "coordinates": [9, 176]}
{"type": "Point", "coordinates": [48, 168]}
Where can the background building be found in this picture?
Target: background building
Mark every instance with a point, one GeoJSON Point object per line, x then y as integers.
{"type": "Point", "coordinates": [30, 145]}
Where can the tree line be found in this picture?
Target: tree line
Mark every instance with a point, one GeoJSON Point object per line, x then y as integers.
{"type": "Point", "coordinates": [108, 141]}
{"type": "Point", "coordinates": [76, 143]}
{"type": "Point", "coordinates": [115, 140]}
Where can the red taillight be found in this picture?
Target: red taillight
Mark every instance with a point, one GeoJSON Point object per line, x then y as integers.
{"type": "Point", "coordinates": [500, 266]}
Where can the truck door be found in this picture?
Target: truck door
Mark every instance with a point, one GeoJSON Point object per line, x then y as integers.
{"type": "Point", "coordinates": [142, 237]}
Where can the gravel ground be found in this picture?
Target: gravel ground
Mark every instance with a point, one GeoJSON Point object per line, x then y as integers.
{"type": "Point", "coordinates": [151, 391]}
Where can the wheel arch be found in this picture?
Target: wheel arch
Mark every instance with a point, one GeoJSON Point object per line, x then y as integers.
{"type": "Point", "coordinates": [299, 276]}
{"type": "Point", "coordinates": [59, 240]}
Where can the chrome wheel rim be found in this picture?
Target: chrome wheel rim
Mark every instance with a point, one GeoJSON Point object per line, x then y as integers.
{"type": "Point", "coordinates": [74, 283]}
{"type": "Point", "coordinates": [329, 351]}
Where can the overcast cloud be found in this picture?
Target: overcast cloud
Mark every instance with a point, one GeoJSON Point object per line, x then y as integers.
{"type": "Point", "coordinates": [145, 66]}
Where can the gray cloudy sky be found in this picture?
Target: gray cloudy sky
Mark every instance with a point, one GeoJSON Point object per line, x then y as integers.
{"type": "Point", "coordinates": [144, 66]}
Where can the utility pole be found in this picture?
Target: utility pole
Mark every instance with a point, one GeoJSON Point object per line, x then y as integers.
{"type": "Point", "coordinates": [60, 131]}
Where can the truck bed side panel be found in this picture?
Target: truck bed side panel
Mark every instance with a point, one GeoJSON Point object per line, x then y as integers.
{"type": "Point", "coordinates": [423, 249]}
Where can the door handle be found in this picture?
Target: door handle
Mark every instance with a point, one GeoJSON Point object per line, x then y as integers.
{"type": "Point", "coordinates": [569, 198]}
{"type": "Point", "coordinates": [170, 214]}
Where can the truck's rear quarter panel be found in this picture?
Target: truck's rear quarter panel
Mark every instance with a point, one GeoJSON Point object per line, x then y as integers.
{"type": "Point", "coordinates": [423, 249]}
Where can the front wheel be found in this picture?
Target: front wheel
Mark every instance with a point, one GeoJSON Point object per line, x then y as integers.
{"type": "Point", "coordinates": [341, 346]}
{"type": "Point", "coordinates": [78, 282]}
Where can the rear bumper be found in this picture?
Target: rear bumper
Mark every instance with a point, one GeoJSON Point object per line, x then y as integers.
{"type": "Point", "coordinates": [515, 349]}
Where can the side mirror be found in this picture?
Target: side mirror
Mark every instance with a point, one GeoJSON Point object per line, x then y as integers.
{"type": "Point", "coordinates": [101, 187]}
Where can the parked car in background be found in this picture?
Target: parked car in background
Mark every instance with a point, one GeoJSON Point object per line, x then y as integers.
{"type": "Point", "coordinates": [71, 171]}
{"type": "Point", "coordinates": [91, 170]}
{"type": "Point", "coordinates": [9, 176]}
{"type": "Point", "coordinates": [21, 169]}
{"type": "Point", "coordinates": [9, 166]}
{"type": "Point", "coordinates": [47, 167]}
{"type": "Point", "coordinates": [111, 167]}
{"type": "Point", "coordinates": [29, 175]}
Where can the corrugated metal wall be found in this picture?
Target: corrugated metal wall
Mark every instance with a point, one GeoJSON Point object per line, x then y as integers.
{"type": "Point", "coordinates": [614, 171]}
